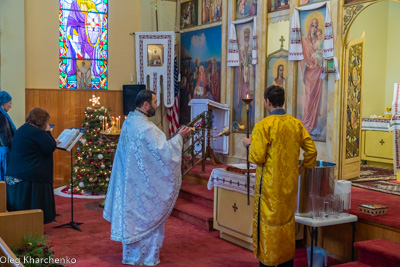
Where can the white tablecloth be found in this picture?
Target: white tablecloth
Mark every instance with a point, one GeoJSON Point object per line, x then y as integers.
{"type": "Point", "coordinates": [376, 124]}
{"type": "Point", "coordinates": [395, 122]}
{"type": "Point", "coordinates": [395, 125]}
{"type": "Point", "coordinates": [231, 181]}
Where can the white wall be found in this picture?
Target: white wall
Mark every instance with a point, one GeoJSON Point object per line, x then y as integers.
{"type": "Point", "coordinates": [12, 52]}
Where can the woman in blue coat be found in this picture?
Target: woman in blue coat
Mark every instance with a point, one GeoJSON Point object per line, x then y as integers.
{"type": "Point", "coordinates": [7, 131]}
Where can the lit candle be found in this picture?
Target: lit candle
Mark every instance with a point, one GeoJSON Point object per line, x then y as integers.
{"type": "Point", "coordinates": [119, 122]}
{"type": "Point", "coordinates": [247, 96]}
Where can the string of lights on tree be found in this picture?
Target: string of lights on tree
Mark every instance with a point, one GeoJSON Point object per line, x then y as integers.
{"type": "Point", "coordinates": [93, 158]}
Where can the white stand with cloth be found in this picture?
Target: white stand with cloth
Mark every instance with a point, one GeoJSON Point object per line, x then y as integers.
{"type": "Point", "coordinates": [220, 120]}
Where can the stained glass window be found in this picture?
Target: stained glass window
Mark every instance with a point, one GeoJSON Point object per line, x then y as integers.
{"type": "Point", "coordinates": [83, 44]}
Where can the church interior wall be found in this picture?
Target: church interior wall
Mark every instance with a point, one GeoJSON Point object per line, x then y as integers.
{"type": "Point", "coordinates": [393, 56]}
{"type": "Point", "coordinates": [41, 71]}
{"type": "Point", "coordinates": [275, 31]}
{"type": "Point", "coordinates": [381, 57]}
{"type": "Point", "coordinates": [375, 40]}
{"type": "Point", "coordinates": [41, 50]}
{"type": "Point", "coordinates": [41, 32]}
{"type": "Point", "coordinates": [12, 65]}
{"type": "Point", "coordinates": [268, 36]}
{"type": "Point", "coordinates": [123, 20]}
{"type": "Point", "coordinates": [41, 46]}
{"type": "Point", "coordinates": [166, 11]}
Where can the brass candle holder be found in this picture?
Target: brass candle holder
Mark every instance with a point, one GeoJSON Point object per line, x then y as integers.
{"type": "Point", "coordinates": [248, 101]}
{"type": "Point", "coordinates": [388, 113]}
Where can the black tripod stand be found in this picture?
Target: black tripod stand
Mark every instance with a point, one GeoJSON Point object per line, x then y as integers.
{"type": "Point", "coordinates": [72, 224]}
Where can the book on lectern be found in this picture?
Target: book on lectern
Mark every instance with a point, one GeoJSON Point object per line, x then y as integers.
{"type": "Point", "coordinates": [69, 137]}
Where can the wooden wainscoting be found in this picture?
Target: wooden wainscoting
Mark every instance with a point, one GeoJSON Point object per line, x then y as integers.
{"type": "Point", "coordinates": [337, 239]}
{"type": "Point", "coordinates": [66, 108]}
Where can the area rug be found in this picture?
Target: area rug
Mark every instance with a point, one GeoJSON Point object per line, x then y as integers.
{"type": "Point", "coordinates": [380, 186]}
{"type": "Point", "coordinates": [371, 173]}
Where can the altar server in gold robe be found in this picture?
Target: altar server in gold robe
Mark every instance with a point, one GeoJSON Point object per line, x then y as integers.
{"type": "Point", "coordinates": [145, 182]}
{"type": "Point", "coordinates": [275, 148]}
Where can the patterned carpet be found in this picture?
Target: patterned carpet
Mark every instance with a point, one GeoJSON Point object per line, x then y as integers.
{"type": "Point", "coordinates": [370, 173]}
{"type": "Point", "coordinates": [377, 179]}
{"type": "Point", "coordinates": [387, 187]}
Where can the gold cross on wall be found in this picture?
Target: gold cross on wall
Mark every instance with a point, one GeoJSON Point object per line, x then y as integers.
{"type": "Point", "coordinates": [282, 40]}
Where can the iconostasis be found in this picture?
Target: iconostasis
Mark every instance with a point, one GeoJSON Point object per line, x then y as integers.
{"type": "Point", "coordinates": [256, 51]}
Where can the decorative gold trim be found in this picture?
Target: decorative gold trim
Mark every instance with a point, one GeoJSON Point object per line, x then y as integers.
{"type": "Point", "coordinates": [351, 12]}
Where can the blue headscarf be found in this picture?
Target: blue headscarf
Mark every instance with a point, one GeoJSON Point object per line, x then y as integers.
{"type": "Point", "coordinates": [5, 98]}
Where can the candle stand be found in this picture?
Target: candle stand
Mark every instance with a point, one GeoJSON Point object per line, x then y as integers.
{"type": "Point", "coordinates": [247, 101]}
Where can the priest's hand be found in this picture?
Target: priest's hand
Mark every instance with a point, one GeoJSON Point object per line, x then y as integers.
{"type": "Point", "coordinates": [185, 131]}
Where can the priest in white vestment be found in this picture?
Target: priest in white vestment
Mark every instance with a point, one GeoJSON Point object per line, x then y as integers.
{"type": "Point", "coordinates": [145, 182]}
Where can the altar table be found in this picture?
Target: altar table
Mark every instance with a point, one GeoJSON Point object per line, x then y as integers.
{"type": "Point", "coordinates": [377, 141]}
{"type": "Point", "coordinates": [232, 216]}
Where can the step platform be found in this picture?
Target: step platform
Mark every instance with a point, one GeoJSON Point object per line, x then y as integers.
{"type": "Point", "coordinates": [378, 252]}
{"type": "Point", "coordinates": [195, 205]}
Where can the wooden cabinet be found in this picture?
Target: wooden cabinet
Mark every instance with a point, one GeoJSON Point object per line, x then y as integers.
{"type": "Point", "coordinates": [234, 218]}
{"type": "Point", "coordinates": [377, 146]}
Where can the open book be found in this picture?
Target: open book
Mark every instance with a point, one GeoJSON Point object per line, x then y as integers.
{"type": "Point", "coordinates": [68, 138]}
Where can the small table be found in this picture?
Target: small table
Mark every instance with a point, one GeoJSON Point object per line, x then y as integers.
{"type": "Point", "coordinates": [314, 224]}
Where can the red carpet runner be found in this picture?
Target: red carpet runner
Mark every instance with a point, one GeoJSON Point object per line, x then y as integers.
{"type": "Point", "coordinates": [184, 244]}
